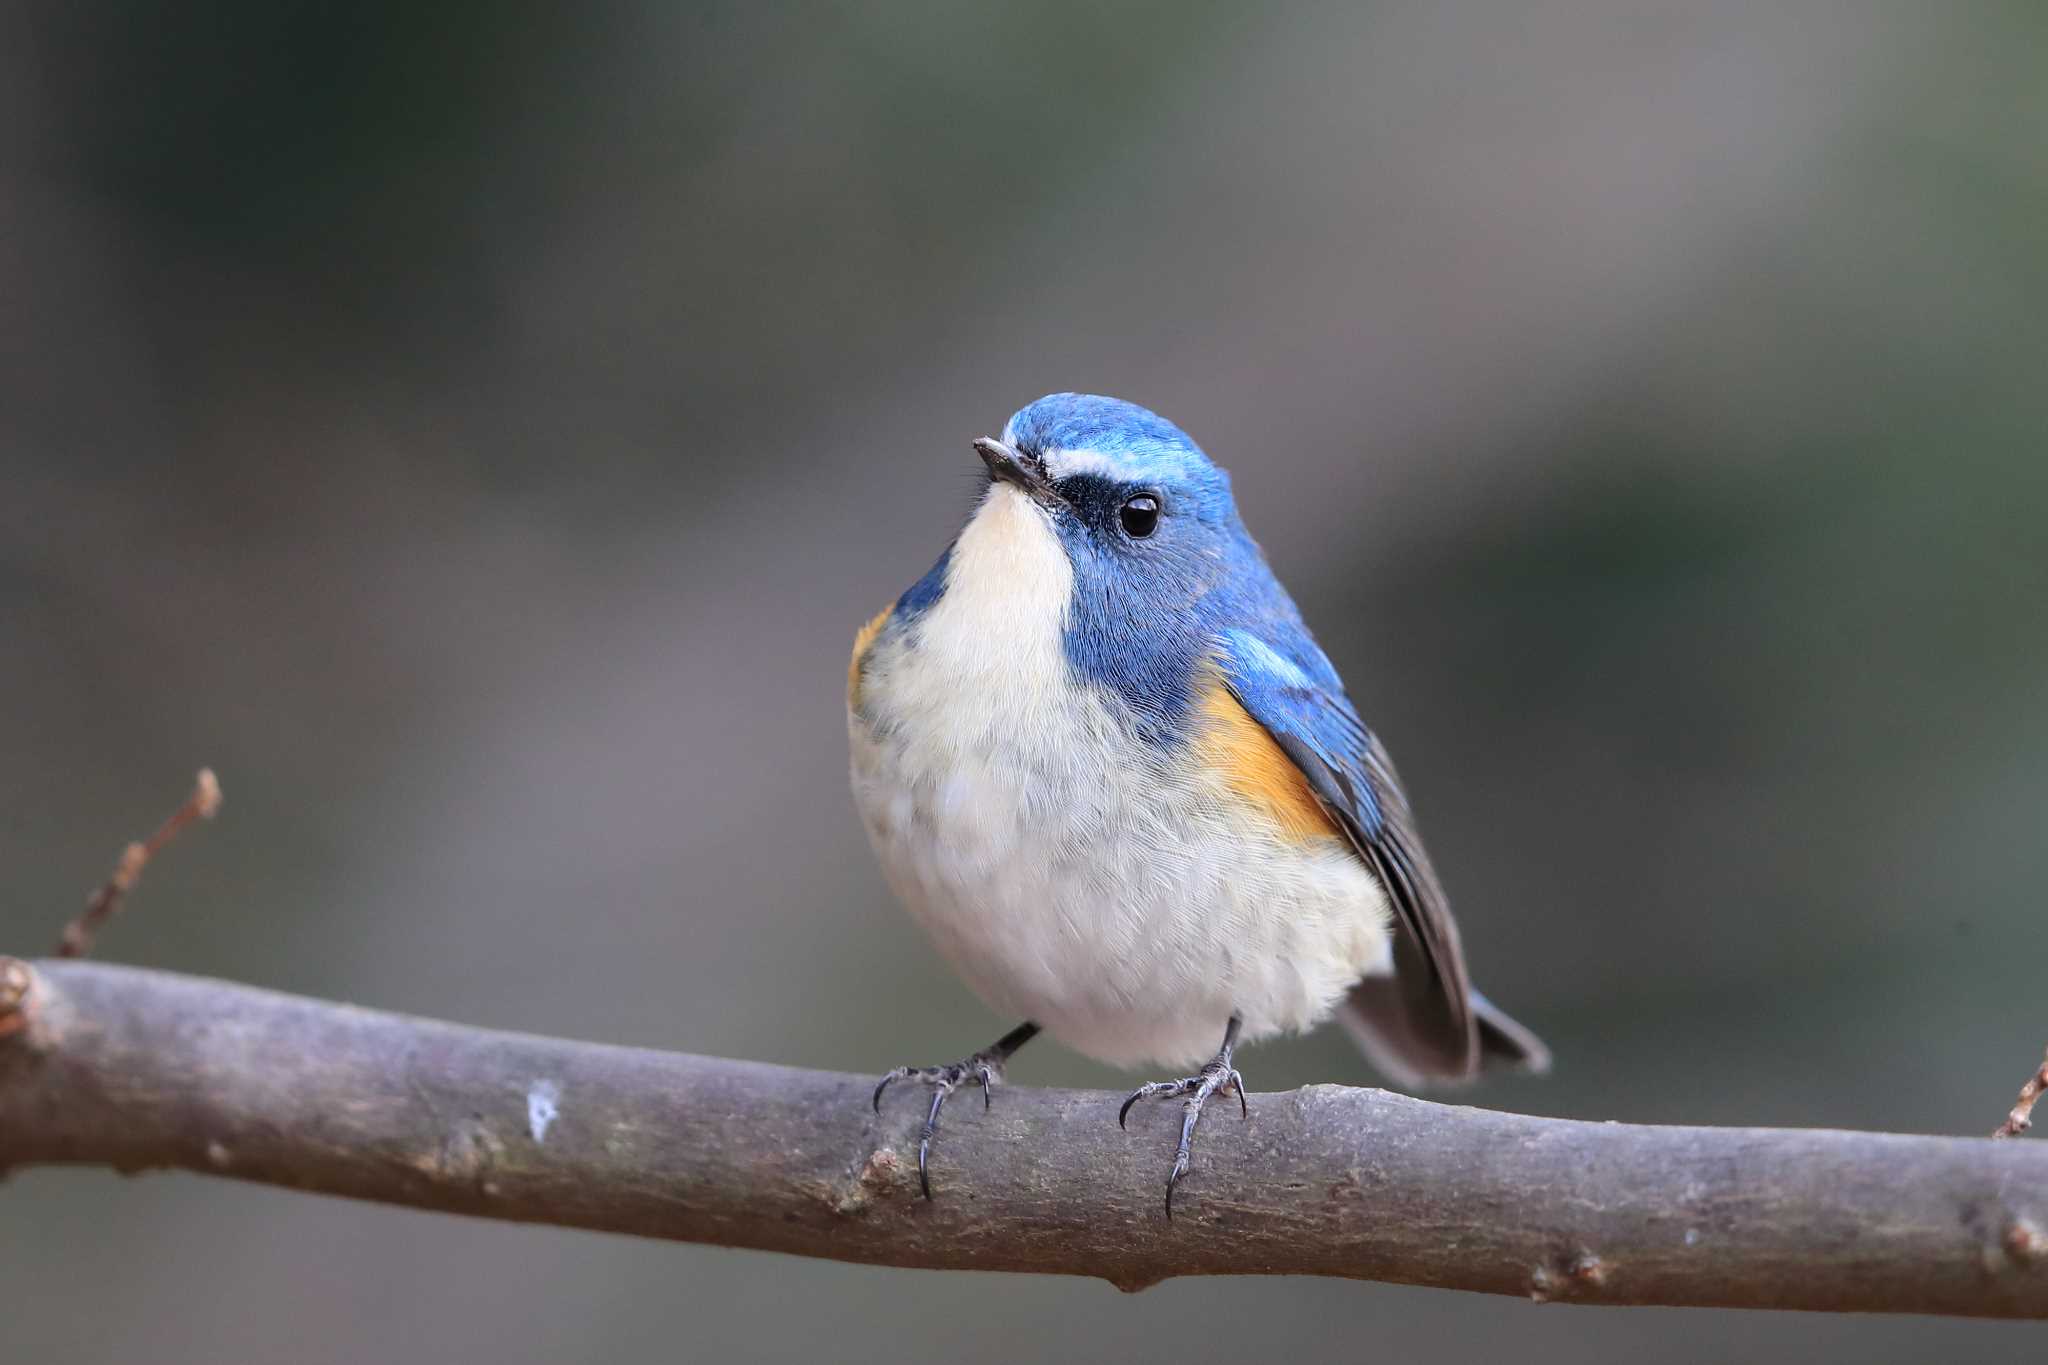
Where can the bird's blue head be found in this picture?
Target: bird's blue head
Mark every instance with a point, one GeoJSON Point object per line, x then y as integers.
{"type": "Point", "coordinates": [1142, 513]}
{"type": "Point", "coordinates": [1106, 523]}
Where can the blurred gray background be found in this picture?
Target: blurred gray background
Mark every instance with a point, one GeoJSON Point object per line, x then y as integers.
{"type": "Point", "coordinates": [478, 433]}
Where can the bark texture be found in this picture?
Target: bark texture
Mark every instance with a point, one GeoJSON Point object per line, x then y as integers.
{"type": "Point", "coordinates": [134, 1069]}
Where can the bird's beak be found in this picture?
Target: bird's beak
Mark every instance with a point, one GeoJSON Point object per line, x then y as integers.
{"type": "Point", "coordinates": [1015, 467]}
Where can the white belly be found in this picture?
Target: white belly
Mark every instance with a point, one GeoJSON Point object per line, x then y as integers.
{"type": "Point", "coordinates": [1075, 876]}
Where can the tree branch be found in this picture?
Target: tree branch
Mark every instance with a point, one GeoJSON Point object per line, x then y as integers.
{"type": "Point", "coordinates": [138, 1069]}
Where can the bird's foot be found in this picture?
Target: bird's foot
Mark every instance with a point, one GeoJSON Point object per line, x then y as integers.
{"type": "Point", "coordinates": [1218, 1075]}
{"type": "Point", "coordinates": [984, 1067]}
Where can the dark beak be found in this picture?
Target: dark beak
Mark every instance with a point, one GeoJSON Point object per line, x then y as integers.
{"type": "Point", "coordinates": [1016, 467]}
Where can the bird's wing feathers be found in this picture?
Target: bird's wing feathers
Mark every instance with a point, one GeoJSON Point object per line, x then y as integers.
{"type": "Point", "coordinates": [1419, 1024]}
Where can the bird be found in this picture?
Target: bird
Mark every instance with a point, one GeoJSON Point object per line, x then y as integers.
{"type": "Point", "coordinates": [1103, 762]}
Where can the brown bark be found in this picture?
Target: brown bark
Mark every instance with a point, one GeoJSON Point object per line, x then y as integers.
{"type": "Point", "coordinates": [138, 1069]}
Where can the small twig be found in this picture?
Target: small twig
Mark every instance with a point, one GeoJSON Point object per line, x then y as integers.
{"type": "Point", "coordinates": [104, 903]}
{"type": "Point", "coordinates": [2022, 1116]}
{"type": "Point", "coordinates": [16, 980]}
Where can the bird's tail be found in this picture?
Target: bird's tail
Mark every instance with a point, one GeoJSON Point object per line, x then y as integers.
{"type": "Point", "coordinates": [1387, 1031]}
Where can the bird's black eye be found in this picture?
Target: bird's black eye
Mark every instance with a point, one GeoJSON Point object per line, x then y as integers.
{"type": "Point", "coordinates": [1140, 516]}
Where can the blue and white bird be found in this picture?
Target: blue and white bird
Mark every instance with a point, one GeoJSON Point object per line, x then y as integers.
{"type": "Point", "coordinates": [1106, 766]}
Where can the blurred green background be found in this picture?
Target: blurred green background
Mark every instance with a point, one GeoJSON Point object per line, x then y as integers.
{"type": "Point", "coordinates": [477, 432]}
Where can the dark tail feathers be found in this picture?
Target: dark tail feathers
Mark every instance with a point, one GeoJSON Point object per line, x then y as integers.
{"type": "Point", "coordinates": [1381, 1020]}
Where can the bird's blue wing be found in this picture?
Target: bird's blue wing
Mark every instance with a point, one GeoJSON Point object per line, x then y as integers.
{"type": "Point", "coordinates": [1420, 1023]}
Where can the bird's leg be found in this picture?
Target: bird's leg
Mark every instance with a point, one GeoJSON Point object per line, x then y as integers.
{"type": "Point", "coordinates": [985, 1066]}
{"type": "Point", "coordinates": [1219, 1074]}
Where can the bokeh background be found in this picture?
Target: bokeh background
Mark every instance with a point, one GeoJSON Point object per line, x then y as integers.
{"type": "Point", "coordinates": [478, 432]}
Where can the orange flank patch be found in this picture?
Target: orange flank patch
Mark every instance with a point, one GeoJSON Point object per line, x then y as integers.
{"type": "Point", "coordinates": [861, 644]}
{"type": "Point", "coordinates": [1235, 745]}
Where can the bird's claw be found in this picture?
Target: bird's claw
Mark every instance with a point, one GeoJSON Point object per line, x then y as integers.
{"type": "Point", "coordinates": [948, 1078]}
{"type": "Point", "coordinates": [1218, 1075]}
{"type": "Point", "coordinates": [1180, 1168]}
{"type": "Point", "coordinates": [1213, 1077]}
{"type": "Point", "coordinates": [982, 1067]}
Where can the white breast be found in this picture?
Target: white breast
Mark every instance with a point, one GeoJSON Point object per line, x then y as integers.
{"type": "Point", "coordinates": [1074, 875]}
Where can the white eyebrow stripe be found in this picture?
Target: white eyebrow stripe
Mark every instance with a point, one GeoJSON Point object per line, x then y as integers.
{"type": "Point", "coordinates": [1062, 464]}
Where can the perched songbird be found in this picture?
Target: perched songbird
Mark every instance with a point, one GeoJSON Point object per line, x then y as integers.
{"type": "Point", "coordinates": [1107, 767]}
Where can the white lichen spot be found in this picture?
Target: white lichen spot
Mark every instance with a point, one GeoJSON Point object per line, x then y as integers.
{"type": "Point", "coordinates": [541, 1110]}
{"type": "Point", "coordinates": [1692, 1237]}
{"type": "Point", "coordinates": [218, 1156]}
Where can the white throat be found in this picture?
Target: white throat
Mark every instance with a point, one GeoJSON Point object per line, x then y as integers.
{"type": "Point", "coordinates": [1009, 585]}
